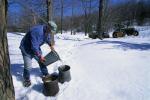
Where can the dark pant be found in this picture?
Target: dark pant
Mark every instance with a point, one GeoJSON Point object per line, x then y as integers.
{"type": "Point", "coordinates": [27, 66]}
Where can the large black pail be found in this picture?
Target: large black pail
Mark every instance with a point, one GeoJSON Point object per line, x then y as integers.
{"type": "Point", "coordinates": [64, 73]}
{"type": "Point", "coordinates": [50, 86]}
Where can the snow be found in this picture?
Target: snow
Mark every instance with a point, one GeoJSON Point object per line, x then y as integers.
{"type": "Point", "coordinates": [109, 69]}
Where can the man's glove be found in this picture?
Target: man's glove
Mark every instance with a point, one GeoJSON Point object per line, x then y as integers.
{"type": "Point", "coordinates": [42, 59]}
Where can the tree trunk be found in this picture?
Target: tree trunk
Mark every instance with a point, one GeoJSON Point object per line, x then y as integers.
{"type": "Point", "coordinates": [49, 10]}
{"type": "Point", "coordinates": [99, 26]}
{"type": "Point", "coordinates": [72, 12]}
{"type": "Point", "coordinates": [85, 8]}
{"type": "Point", "coordinates": [85, 21]}
{"type": "Point", "coordinates": [89, 17]}
{"type": "Point", "coordinates": [62, 14]}
{"type": "Point", "coordinates": [49, 18]}
{"type": "Point", "coordinates": [6, 85]}
{"type": "Point", "coordinates": [34, 21]}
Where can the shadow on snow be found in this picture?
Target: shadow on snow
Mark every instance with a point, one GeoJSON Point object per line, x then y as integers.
{"type": "Point", "coordinates": [17, 71]}
{"type": "Point", "coordinates": [125, 45]}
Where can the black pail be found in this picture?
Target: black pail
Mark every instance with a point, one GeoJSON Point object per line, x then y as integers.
{"type": "Point", "coordinates": [64, 73]}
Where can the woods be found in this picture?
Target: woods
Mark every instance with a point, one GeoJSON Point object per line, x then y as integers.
{"type": "Point", "coordinates": [79, 15]}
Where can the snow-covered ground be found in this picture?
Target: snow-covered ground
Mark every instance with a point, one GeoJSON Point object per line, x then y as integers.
{"type": "Point", "coordinates": [109, 69]}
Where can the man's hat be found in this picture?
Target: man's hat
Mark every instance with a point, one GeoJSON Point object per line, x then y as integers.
{"type": "Point", "coordinates": [53, 26]}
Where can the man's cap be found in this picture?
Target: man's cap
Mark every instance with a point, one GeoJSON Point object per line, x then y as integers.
{"type": "Point", "coordinates": [53, 26]}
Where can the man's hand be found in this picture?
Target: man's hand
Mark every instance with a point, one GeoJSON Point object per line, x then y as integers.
{"type": "Point", "coordinates": [52, 48]}
{"type": "Point", "coordinates": [42, 59]}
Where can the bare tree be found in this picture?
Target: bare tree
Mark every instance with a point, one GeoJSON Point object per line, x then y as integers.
{"type": "Point", "coordinates": [62, 14]}
{"type": "Point", "coordinates": [140, 12]}
{"type": "Point", "coordinates": [49, 10]}
{"type": "Point", "coordinates": [6, 85]}
{"type": "Point", "coordinates": [85, 9]}
{"type": "Point", "coordinates": [72, 14]}
{"type": "Point", "coordinates": [49, 16]}
{"type": "Point", "coordinates": [88, 7]}
{"type": "Point", "coordinates": [31, 12]}
{"type": "Point", "coordinates": [101, 8]}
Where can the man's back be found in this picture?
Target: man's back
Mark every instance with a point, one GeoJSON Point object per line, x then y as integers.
{"type": "Point", "coordinates": [34, 38]}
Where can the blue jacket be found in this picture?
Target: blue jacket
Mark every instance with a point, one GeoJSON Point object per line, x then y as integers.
{"type": "Point", "coordinates": [35, 37]}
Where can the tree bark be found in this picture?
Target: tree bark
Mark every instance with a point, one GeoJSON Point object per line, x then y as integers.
{"type": "Point", "coordinates": [49, 10]}
{"type": "Point", "coordinates": [62, 14]}
{"type": "Point", "coordinates": [6, 85]}
{"type": "Point", "coordinates": [72, 12]}
{"type": "Point", "coordinates": [99, 26]}
{"type": "Point", "coordinates": [85, 8]}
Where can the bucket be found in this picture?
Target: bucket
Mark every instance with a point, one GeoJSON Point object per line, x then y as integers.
{"type": "Point", "coordinates": [64, 73]}
{"type": "Point", "coordinates": [50, 87]}
{"type": "Point", "coordinates": [51, 58]}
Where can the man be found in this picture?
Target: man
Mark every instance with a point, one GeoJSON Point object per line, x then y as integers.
{"type": "Point", "coordinates": [30, 48]}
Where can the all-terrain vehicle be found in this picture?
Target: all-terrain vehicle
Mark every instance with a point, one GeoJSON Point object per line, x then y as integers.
{"type": "Point", "coordinates": [121, 32]}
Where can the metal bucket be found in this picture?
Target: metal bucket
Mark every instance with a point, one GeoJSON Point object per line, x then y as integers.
{"type": "Point", "coordinates": [64, 73]}
{"type": "Point", "coordinates": [51, 58]}
{"type": "Point", "coordinates": [50, 87]}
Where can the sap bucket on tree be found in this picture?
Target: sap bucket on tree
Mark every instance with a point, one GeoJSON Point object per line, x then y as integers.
{"type": "Point", "coordinates": [64, 73]}
{"type": "Point", "coordinates": [50, 85]}
{"type": "Point", "coordinates": [51, 58]}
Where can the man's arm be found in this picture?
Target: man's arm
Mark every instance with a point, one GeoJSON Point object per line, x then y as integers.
{"type": "Point", "coordinates": [35, 48]}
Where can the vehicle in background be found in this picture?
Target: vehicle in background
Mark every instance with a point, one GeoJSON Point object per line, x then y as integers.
{"type": "Point", "coordinates": [121, 31]}
{"type": "Point", "coordinates": [95, 35]}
